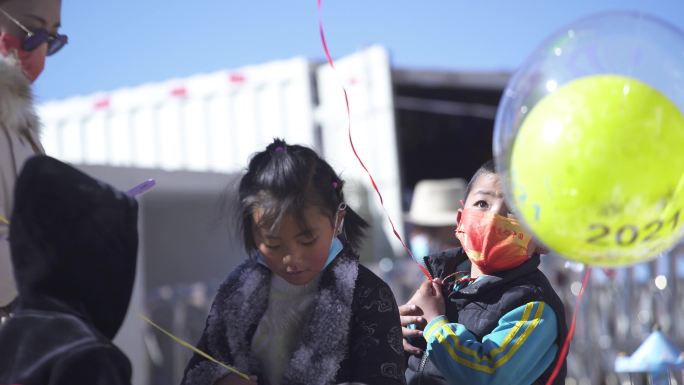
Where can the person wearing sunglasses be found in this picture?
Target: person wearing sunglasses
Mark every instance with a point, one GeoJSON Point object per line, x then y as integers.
{"type": "Point", "coordinates": [28, 34]}
{"type": "Point", "coordinates": [28, 31]}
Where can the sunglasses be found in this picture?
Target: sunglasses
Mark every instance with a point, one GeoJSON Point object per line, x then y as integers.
{"type": "Point", "coordinates": [36, 37]}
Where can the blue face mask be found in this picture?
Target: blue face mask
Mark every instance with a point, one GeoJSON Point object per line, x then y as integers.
{"type": "Point", "coordinates": [335, 249]}
{"type": "Point", "coordinates": [420, 247]}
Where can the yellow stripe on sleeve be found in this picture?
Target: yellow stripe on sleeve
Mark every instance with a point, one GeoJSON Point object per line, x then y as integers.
{"type": "Point", "coordinates": [487, 363]}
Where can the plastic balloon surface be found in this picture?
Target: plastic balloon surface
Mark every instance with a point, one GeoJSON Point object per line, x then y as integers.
{"type": "Point", "coordinates": [589, 139]}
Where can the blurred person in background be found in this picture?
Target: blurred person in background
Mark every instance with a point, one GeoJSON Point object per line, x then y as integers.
{"type": "Point", "coordinates": [430, 223]}
{"type": "Point", "coordinates": [432, 215]}
{"type": "Point", "coordinates": [28, 34]}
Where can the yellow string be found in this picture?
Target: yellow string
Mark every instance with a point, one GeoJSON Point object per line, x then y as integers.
{"type": "Point", "coordinates": [194, 349]}
{"type": "Point", "coordinates": [178, 340]}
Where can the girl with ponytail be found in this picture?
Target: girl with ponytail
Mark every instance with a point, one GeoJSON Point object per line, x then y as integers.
{"type": "Point", "coordinates": [300, 309]}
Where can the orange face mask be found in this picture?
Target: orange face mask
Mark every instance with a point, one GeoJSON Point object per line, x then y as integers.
{"type": "Point", "coordinates": [492, 242]}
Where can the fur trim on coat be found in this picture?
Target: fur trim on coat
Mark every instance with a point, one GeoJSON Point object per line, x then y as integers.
{"type": "Point", "coordinates": [353, 315]}
{"type": "Point", "coordinates": [16, 98]}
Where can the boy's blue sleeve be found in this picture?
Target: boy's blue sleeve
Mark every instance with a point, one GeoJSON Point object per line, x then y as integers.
{"type": "Point", "coordinates": [516, 352]}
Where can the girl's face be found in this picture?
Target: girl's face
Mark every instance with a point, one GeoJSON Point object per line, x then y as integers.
{"type": "Point", "coordinates": [294, 253]}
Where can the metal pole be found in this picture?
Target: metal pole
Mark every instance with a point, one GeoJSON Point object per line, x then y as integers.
{"type": "Point", "coordinates": [659, 378]}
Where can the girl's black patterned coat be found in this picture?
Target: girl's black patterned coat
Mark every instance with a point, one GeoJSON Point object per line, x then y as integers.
{"type": "Point", "coordinates": [351, 334]}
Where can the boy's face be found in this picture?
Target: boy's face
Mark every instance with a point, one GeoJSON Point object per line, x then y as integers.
{"type": "Point", "coordinates": [487, 195]}
{"type": "Point", "coordinates": [295, 253]}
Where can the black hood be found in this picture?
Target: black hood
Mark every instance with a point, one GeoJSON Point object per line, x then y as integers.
{"type": "Point", "coordinates": [74, 243]}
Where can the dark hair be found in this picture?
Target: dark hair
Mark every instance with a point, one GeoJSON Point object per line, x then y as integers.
{"type": "Point", "coordinates": [287, 179]}
{"type": "Point", "coordinates": [486, 168]}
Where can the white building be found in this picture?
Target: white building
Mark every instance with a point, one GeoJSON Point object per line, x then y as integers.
{"type": "Point", "coordinates": [195, 135]}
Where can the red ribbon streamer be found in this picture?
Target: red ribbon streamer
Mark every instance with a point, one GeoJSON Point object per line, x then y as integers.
{"type": "Point", "coordinates": [571, 331]}
{"type": "Point", "coordinates": [351, 141]}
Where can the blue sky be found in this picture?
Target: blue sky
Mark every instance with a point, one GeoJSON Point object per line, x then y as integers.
{"type": "Point", "coordinates": [128, 42]}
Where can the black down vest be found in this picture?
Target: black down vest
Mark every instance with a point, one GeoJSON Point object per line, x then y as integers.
{"type": "Point", "coordinates": [480, 305]}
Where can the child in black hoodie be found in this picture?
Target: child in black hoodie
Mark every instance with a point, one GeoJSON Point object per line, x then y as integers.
{"type": "Point", "coordinates": [74, 245]}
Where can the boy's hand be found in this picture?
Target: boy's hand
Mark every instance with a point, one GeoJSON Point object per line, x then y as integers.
{"type": "Point", "coordinates": [411, 314]}
{"type": "Point", "coordinates": [429, 298]}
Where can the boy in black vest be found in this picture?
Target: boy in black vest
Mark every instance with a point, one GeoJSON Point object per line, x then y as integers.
{"type": "Point", "coordinates": [499, 323]}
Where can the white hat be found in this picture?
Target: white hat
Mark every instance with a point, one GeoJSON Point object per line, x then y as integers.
{"type": "Point", "coordinates": [435, 202]}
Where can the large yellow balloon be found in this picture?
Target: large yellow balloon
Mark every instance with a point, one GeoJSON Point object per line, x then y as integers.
{"type": "Point", "coordinates": [597, 170]}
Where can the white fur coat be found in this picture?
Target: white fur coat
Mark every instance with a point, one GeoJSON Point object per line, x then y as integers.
{"type": "Point", "coordinates": [19, 131]}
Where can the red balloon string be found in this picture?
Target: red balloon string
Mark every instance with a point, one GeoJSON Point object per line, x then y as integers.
{"type": "Point", "coordinates": [351, 141]}
{"type": "Point", "coordinates": [573, 324]}
{"type": "Point", "coordinates": [571, 331]}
